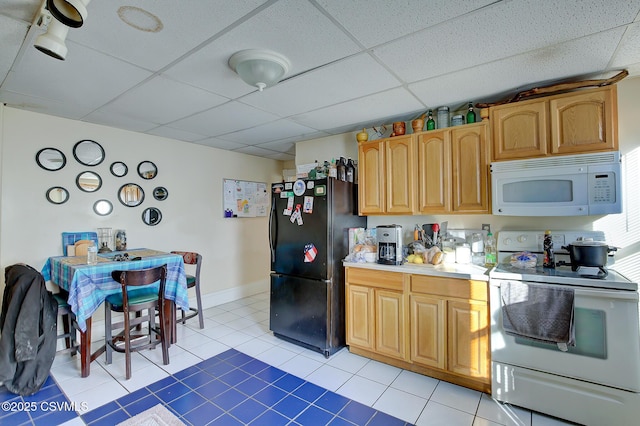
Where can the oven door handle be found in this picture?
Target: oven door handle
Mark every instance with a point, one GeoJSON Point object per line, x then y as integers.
{"type": "Point", "coordinates": [599, 293]}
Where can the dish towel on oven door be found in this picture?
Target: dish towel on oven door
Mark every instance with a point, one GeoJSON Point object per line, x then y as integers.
{"type": "Point", "coordinates": [539, 312]}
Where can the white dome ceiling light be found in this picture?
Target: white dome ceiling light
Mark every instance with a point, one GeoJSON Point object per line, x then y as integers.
{"type": "Point", "coordinates": [259, 68]}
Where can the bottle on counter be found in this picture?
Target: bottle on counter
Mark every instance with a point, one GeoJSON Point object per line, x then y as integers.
{"type": "Point", "coordinates": [443, 117]}
{"type": "Point", "coordinates": [350, 171]}
{"type": "Point", "coordinates": [92, 254]}
{"type": "Point", "coordinates": [547, 247]}
{"type": "Point", "coordinates": [490, 251]}
{"type": "Point", "coordinates": [342, 169]}
{"type": "Point", "coordinates": [431, 123]}
{"type": "Point", "coordinates": [333, 169]}
{"type": "Point", "coordinates": [471, 115]}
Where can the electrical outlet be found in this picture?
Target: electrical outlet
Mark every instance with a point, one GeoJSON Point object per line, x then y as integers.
{"type": "Point", "coordinates": [486, 227]}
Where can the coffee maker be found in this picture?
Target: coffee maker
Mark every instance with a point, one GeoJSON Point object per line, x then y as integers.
{"type": "Point", "coordinates": [389, 244]}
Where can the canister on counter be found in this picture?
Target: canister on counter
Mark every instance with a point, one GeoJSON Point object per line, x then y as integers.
{"type": "Point", "coordinates": [457, 120]}
{"type": "Point", "coordinates": [443, 117]}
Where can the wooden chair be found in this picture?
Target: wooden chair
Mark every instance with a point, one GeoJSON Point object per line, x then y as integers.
{"type": "Point", "coordinates": [193, 281]}
{"type": "Point", "coordinates": [137, 300]}
{"type": "Point", "coordinates": [69, 324]}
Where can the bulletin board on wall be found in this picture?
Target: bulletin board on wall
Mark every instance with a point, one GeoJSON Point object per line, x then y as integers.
{"type": "Point", "coordinates": [245, 198]}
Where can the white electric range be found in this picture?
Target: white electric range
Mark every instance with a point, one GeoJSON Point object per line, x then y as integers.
{"type": "Point", "coordinates": [597, 381]}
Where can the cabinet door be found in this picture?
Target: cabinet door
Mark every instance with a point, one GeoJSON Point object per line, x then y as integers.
{"type": "Point", "coordinates": [434, 172]}
{"type": "Point", "coordinates": [470, 169]}
{"type": "Point", "coordinates": [390, 329]}
{"type": "Point", "coordinates": [400, 160]}
{"type": "Point", "coordinates": [584, 122]}
{"type": "Point", "coordinates": [359, 316]}
{"type": "Point", "coordinates": [468, 338]}
{"type": "Point", "coordinates": [428, 331]}
{"type": "Point", "coordinates": [370, 177]}
{"type": "Point", "coordinates": [520, 130]}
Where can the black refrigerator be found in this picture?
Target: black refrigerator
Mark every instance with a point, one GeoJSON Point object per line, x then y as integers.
{"type": "Point", "coordinates": [308, 231]}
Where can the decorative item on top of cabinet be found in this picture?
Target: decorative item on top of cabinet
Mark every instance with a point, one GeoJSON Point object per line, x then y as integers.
{"type": "Point", "coordinates": [386, 176]}
{"type": "Point", "coordinates": [570, 123]}
{"type": "Point", "coordinates": [362, 136]}
{"type": "Point", "coordinates": [399, 128]}
{"type": "Point", "coordinates": [418, 124]}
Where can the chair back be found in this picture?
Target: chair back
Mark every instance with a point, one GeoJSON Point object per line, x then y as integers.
{"type": "Point", "coordinates": [191, 258]}
{"type": "Point", "coordinates": [141, 277]}
{"type": "Point", "coordinates": [70, 239]}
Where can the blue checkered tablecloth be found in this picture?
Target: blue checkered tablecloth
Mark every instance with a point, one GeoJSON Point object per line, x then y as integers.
{"type": "Point", "coordinates": [89, 285]}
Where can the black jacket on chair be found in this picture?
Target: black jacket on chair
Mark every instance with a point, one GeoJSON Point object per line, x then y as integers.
{"type": "Point", "coordinates": [28, 327]}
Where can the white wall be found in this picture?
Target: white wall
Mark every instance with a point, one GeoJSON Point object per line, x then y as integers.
{"type": "Point", "coordinates": [31, 227]}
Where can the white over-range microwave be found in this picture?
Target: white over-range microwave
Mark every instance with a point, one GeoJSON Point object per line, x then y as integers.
{"type": "Point", "coordinates": [568, 185]}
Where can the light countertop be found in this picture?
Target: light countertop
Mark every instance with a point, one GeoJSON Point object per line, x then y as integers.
{"type": "Point", "coordinates": [450, 270]}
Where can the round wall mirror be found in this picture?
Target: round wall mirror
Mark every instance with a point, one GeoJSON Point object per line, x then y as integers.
{"type": "Point", "coordinates": [151, 216]}
{"type": "Point", "coordinates": [51, 159]}
{"type": "Point", "coordinates": [147, 170]}
{"type": "Point", "coordinates": [57, 195]}
{"type": "Point", "coordinates": [131, 194]}
{"type": "Point", "coordinates": [88, 152]}
{"type": "Point", "coordinates": [103, 207]}
{"type": "Point", "coordinates": [119, 169]}
{"type": "Point", "coordinates": [160, 193]}
{"type": "Point", "coordinates": [89, 181]}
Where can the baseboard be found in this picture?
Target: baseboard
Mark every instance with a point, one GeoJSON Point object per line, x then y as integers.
{"type": "Point", "coordinates": [210, 300]}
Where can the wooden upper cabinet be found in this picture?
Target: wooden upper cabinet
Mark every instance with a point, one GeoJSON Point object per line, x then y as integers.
{"type": "Point", "coordinates": [584, 122]}
{"type": "Point", "coordinates": [434, 172]}
{"type": "Point", "coordinates": [470, 169]}
{"type": "Point", "coordinates": [386, 176]}
{"type": "Point", "coordinates": [570, 123]}
{"type": "Point", "coordinates": [371, 177]}
{"type": "Point", "coordinates": [400, 166]}
{"type": "Point", "coordinates": [520, 130]}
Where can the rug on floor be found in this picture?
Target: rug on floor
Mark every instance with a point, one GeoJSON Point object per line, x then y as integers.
{"type": "Point", "coordinates": [154, 416]}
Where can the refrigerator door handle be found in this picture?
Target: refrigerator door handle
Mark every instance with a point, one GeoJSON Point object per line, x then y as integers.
{"type": "Point", "coordinates": [273, 230]}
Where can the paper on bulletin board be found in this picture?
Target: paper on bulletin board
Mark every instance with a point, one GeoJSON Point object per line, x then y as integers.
{"type": "Point", "coordinates": [245, 198]}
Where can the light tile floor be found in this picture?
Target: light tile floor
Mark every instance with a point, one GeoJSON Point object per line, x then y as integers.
{"type": "Point", "coordinates": [243, 325]}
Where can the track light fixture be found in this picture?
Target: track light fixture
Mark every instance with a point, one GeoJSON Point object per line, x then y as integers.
{"type": "Point", "coordinates": [52, 42]}
{"type": "Point", "coordinates": [58, 16]}
{"type": "Point", "coordinates": [72, 13]}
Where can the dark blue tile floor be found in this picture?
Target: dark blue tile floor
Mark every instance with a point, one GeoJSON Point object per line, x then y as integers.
{"type": "Point", "coordinates": [228, 389]}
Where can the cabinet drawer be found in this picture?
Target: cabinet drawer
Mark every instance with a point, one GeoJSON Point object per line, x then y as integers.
{"type": "Point", "coordinates": [450, 287]}
{"type": "Point", "coordinates": [375, 278]}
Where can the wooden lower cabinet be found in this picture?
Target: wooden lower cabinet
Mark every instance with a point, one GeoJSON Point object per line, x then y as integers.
{"type": "Point", "coordinates": [375, 314]}
{"type": "Point", "coordinates": [435, 326]}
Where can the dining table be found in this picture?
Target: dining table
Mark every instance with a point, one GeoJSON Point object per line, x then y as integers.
{"type": "Point", "coordinates": [89, 285]}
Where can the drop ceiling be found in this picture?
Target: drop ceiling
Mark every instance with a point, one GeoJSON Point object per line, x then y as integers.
{"type": "Point", "coordinates": [354, 64]}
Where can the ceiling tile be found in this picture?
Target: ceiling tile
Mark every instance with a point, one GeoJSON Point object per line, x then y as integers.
{"type": "Point", "coordinates": [120, 121]}
{"type": "Point", "coordinates": [508, 76]}
{"type": "Point", "coordinates": [226, 118]}
{"type": "Point", "coordinates": [254, 150]}
{"type": "Point", "coordinates": [316, 42]}
{"type": "Point", "coordinates": [280, 146]}
{"type": "Point", "coordinates": [71, 76]}
{"type": "Point", "coordinates": [12, 34]}
{"type": "Point", "coordinates": [628, 51]}
{"type": "Point", "coordinates": [219, 143]}
{"type": "Point", "coordinates": [181, 135]}
{"type": "Point", "coordinates": [281, 156]}
{"type": "Point", "coordinates": [184, 28]}
{"type": "Point", "coordinates": [474, 45]}
{"type": "Point", "coordinates": [161, 100]}
{"type": "Point", "coordinates": [373, 22]}
{"type": "Point", "coordinates": [334, 83]}
{"type": "Point", "coordinates": [367, 109]}
{"type": "Point", "coordinates": [271, 131]}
